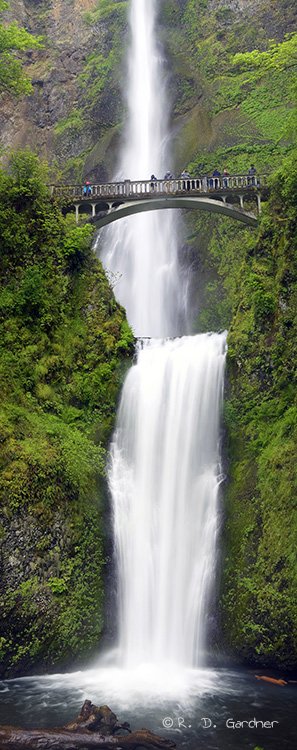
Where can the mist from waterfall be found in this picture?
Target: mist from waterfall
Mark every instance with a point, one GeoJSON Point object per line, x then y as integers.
{"type": "Point", "coordinates": [164, 469]}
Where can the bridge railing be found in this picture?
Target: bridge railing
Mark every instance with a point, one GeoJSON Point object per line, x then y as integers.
{"type": "Point", "coordinates": [133, 189]}
{"type": "Point", "coordinates": [106, 190]}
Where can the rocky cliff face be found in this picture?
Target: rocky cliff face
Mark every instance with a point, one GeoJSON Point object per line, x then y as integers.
{"type": "Point", "coordinates": [68, 114]}
{"type": "Point", "coordinates": [74, 117]}
{"type": "Point", "coordinates": [200, 38]}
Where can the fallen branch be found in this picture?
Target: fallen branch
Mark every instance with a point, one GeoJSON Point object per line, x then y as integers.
{"type": "Point", "coordinates": [94, 727]}
{"type": "Point", "coordinates": [273, 680]}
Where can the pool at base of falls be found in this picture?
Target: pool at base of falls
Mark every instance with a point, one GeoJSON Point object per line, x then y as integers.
{"type": "Point", "coordinates": [213, 709]}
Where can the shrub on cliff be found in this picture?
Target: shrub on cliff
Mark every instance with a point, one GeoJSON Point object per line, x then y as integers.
{"type": "Point", "coordinates": [13, 40]}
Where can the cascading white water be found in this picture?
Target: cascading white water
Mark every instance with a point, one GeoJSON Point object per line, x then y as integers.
{"type": "Point", "coordinates": [143, 252]}
{"type": "Point", "coordinates": [164, 469]}
{"type": "Point", "coordinates": [164, 480]}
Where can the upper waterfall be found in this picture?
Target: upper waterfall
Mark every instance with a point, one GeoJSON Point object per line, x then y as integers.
{"type": "Point", "coordinates": [143, 251]}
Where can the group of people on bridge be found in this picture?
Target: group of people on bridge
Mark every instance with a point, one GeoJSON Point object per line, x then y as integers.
{"type": "Point", "coordinates": [215, 181]}
{"type": "Point", "coordinates": [212, 182]}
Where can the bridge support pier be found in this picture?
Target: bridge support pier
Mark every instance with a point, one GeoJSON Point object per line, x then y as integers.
{"type": "Point", "coordinates": [241, 201]}
{"type": "Point", "coordinates": [93, 209]}
{"type": "Point", "coordinates": [259, 202]}
{"type": "Point", "coordinates": [76, 212]}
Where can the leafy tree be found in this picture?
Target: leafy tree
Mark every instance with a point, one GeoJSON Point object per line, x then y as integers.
{"type": "Point", "coordinates": [13, 40]}
{"type": "Point", "coordinates": [30, 175]}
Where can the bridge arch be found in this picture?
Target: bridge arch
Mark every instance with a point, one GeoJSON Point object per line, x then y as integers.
{"type": "Point", "coordinates": [156, 204]}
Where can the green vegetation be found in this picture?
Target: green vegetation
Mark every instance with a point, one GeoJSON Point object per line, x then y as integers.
{"type": "Point", "coordinates": [101, 73]}
{"type": "Point", "coordinates": [73, 122]}
{"type": "Point", "coordinates": [98, 109]}
{"type": "Point", "coordinates": [245, 94]}
{"type": "Point", "coordinates": [281, 56]}
{"type": "Point", "coordinates": [64, 348]}
{"type": "Point", "coordinates": [107, 9]}
{"type": "Point", "coordinates": [250, 287]}
{"type": "Point", "coordinates": [260, 578]}
{"type": "Point", "coordinates": [248, 284]}
{"type": "Point", "coordinates": [13, 40]}
{"type": "Point", "coordinates": [97, 74]}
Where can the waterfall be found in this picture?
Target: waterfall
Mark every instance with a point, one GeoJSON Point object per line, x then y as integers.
{"type": "Point", "coordinates": [143, 253]}
{"type": "Point", "coordinates": [164, 467]}
{"type": "Point", "coordinates": [164, 480]}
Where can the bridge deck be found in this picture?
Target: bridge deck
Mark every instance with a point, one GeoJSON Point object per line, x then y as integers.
{"type": "Point", "coordinates": [128, 190]}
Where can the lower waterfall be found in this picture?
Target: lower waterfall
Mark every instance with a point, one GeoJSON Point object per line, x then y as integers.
{"type": "Point", "coordinates": [164, 477]}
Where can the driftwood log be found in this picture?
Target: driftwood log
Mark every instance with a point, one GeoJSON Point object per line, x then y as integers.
{"type": "Point", "coordinates": [272, 680]}
{"type": "Point", "coordinates": [94, 727]}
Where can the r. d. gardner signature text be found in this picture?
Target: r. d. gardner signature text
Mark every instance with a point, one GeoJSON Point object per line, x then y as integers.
{"type": "Point", "coordinates": [206, 723]}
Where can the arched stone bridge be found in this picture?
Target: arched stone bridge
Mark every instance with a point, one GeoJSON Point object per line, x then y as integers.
{"type": "Point", "coordinates": [237, 196]}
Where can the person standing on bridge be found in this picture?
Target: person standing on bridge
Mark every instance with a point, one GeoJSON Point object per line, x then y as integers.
{"type": "Point", "coordinates": [87, 188]}
{"type": "Point", "coordinates": [167, 177]}
{"type": "Point", "coordinates": [153, 182]}
{"type": "Point", "coordinates": [226, 174]}
{"type": "Point", "coordinates": [252, 175]}
{"type": "Point", "coordinates": [186, 177]}
{"type": "Point", "coordinates": [214, 181]}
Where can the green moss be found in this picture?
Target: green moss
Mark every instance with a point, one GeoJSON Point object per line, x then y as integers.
{"type": "Point", "coordinates": [98, 72]}
{"type": "Point", "coordinates": [102, 69]}
{"type": "Point", "coordinates": [74, 122]}
{"type": "Point", "coordinates": [260, 581]}
{"type": "Point", "coordinates": [98, 110]}
{"type": "Point", "coordinates": [246, 97]}
{"type": "Point", "coordinates": [247, 282]}
{"type": "Point", "coordinates": [107, 9]}
{"type": "Point", "coordinates": [64, 349]}
{"type": "Point", "coordinates": [14, 40]}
